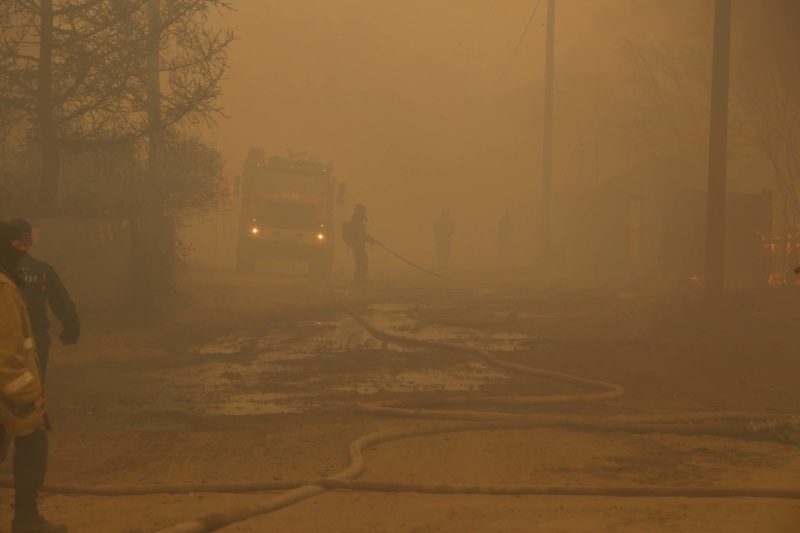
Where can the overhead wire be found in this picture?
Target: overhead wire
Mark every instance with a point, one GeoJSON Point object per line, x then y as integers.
{"type": "Point", "coordinates": [519, 44]}
{"type": "Point", "coordinates": [489, 12]}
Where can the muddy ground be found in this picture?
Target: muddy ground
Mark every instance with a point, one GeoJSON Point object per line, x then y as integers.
{"type": "Point", "coordinates": [256, 378]}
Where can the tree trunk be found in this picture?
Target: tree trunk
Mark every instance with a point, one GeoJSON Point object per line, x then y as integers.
{"type": "Point", "coordinates": [48, 186]}
{"type": "Point", "coordinates": [152, 231]}
{"type": "Point", "coordinates": [718, 153]}
{"type": "Point", "coordinates": [154, 93]}
{"type": "Point", "coordinates": [546, 242]}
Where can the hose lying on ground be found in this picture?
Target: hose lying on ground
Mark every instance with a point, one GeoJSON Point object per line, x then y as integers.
{"type": "Point", "coordinates": [753, 425]}
{"type": "Point", "coordinates": [216, 521]}
{"type": "Point", "coordinates": [344, 480]}
{"type": "Point", "coordinates": [694, 424]}
{"type": "Point", "coordinates": [744, 425]}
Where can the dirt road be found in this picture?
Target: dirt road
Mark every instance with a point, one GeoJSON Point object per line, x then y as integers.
{"type": "Point", "coordinates": [255, 378]}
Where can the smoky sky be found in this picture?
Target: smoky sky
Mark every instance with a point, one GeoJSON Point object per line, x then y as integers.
{"type": "Point", "coordinates": [424, 104]}
{"type": "Point", "coordinates": [403, 97]}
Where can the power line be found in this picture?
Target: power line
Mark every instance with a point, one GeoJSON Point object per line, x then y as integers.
{"type": "Point", "coordinates": [486, 17]}
{"type": "Point", "coordinates": [483, 25]}
{"type": "Point", "coordinates": [519, 43]}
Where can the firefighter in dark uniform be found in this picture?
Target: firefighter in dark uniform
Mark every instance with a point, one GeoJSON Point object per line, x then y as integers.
{"type": "Point", "coordinates": [22, 408]}
{"type": "Point", "coordinates": [504, 233]}
{"type": "Point", "coordinates": [443, 231]}
{"type": "Point", "coordinates": [43, 287]}
{"type": "Point", "coordinates": [358, 240]}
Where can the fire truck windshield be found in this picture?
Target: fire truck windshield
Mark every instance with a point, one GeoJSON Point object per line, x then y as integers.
{"type": "Point", "coordinates": [277, 182]}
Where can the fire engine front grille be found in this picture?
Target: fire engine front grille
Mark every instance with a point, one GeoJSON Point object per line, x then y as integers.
{"type": "Point", "coordinates": [286, 215]}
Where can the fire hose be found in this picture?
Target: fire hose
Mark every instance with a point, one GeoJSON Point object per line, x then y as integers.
{"type": "Point", "coordinates": [727, 424]}
{"type": "Point", "coordinates": [724, 424]}
{"type": "Point", "coordinates": [418, 267]}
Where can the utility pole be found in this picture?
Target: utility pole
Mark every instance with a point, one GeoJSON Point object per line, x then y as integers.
{"type": "Point", "coordinates": [547, 151]}
{"type": "Point", "coordinates": [718, 152]}
{"type": "Point", "coordinates": [596, 145]}
{"type": "Point", "coordinates": [149, 234]}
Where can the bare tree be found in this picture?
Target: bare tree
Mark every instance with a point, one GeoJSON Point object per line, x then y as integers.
{"type": "Point", "coordinates": [768, 99]}
{"type": "Point", "coordinates": [89, 75]}
{"type": "Point", "coordinates": [665, 109]}
{"type": "Point", "coordinates": [190, 59]}
{"type": "Point", "coordinates": [74, 73]}
{"type": "Point", "coordinates": [64, 70]}
{"type": "Point", "coordinates": [772, 125]}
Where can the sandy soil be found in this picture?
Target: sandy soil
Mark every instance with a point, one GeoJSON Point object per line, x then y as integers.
{"type": "Point", "coordinates": [255, 377]}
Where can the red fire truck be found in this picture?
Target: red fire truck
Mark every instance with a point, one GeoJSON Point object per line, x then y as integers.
{"type": "Point", "coordinates": [287, 211]}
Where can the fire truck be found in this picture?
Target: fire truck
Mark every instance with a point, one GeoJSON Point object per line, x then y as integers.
{"type": "Point", "coordinates": [287, 211]}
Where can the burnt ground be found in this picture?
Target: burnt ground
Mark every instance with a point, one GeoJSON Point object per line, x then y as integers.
{"type": "Point", "coordinates": [255, 378]}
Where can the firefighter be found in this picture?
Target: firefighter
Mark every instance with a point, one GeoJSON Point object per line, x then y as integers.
{"type": "Point", "coordinates": [43, 287]}
{"type": "Point", "coordinates": [504, 233]}
{"type": "Point", "coordinates": [443, 231]}
{"type": "Point", "coordinates": [357, 239]}
{"type": "Point", "coordinates": [22, 411]}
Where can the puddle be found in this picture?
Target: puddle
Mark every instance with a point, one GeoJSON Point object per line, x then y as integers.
{"type": "Point", "coordinates": [217, 403]}
{"type": "Point", "coordinates": [525, 314]}
{"type": "Point", "coordinates": [390, 308]}
{"type": "Point", "coordinates": [458, 378]}
{"type": "Point", "coordinates": [396, 320]}
{"type": "Point", "coordinates": [196, 382]}
{"type": "Point", "coordinates": [254, 404]}
{"type": "Point", "coordinates": [227, 345]}
{"type": "Point", "coordinates": [303, 342]}
{"type": "Point", "coordinates": [226, 386]}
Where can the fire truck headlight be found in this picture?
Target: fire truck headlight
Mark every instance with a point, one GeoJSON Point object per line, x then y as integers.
{"type": "Point", "coordinates": [254, 230]}
{"type": "Point", "coordinates": [320, 237]}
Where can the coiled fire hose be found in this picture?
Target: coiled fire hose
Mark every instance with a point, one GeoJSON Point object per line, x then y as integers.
{"type": "Point", "coordinates": [728, 424]}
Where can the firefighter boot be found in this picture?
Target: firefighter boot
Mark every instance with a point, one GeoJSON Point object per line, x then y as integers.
{"type": "Point", "coordinates": [5, 444]}
{"type": "Point", "coordinates": [28, 520]}
{"type": "Point", "coordinates": [36, 524]}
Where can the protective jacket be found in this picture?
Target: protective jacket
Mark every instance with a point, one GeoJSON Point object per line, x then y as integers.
{"type": "Point", "coordinates": [358, 232]}
{"type": "Point", "coordinates": [43, 286]}
{"type": "Point", "coordinates": [443, 230]}
{"type": "Point", "coordinates": [21, 393]}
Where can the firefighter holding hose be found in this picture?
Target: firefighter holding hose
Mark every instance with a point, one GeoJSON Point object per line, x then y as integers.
{"type": "Point", "coordinates": [355, 235]}
{"type": "Point", "coordinates": [443, 231]}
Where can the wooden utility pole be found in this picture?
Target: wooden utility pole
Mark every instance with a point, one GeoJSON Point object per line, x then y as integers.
{"type": "Point", "coordinates": [547, 148]}
{"type": "Point", "coordinates": [149, 234]}
{"type": "Point", "coordinates": [596, 145]}
{"type": "Point", "coordinates": [718, 152]}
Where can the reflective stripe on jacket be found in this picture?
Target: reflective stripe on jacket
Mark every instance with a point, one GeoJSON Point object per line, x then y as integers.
{"type": "Point", "coordinates": [21, 392]}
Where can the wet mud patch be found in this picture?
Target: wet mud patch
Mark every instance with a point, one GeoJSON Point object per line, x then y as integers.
{"type": "Point", "coordinates": [321, 364]}
{"type": "Point", "coordinates": [399, 319]}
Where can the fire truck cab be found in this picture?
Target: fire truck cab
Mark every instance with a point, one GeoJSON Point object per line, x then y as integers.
{"type": "Point", "coordinates": [287, 211]}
